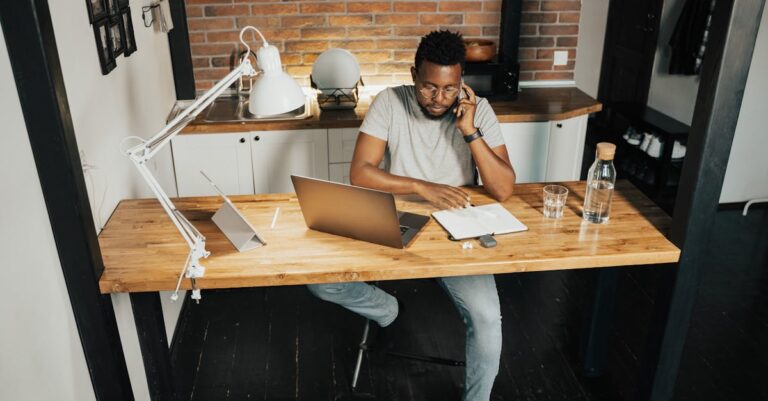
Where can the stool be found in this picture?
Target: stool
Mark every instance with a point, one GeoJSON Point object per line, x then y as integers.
{"type": "Point", "coordinates": [365, 347]}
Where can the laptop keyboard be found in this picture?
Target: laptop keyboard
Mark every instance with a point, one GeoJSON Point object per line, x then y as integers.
{"type": "Point", "coordinates": [403, 229]}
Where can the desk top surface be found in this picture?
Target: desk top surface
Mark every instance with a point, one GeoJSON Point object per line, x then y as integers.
{"type": "Point", "coordinates": [143, 251]}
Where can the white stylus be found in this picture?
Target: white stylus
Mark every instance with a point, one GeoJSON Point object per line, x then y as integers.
{"type": "Point", "coordinates": [274, 219]}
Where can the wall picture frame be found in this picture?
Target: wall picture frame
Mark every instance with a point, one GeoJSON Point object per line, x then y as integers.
{"type": "Point", "coordinates": [129, 37]}
{"type": "Point", "coordinates": [116, 36]}
{"type": "Point", "coordinates": [113, 7]}
{"type": "Point", "coordinates": [103, 40]}
{"type": "Point", "coordinates": [97, 10]}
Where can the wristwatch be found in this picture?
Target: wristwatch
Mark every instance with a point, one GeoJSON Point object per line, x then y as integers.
{"type": "Point", "coordinates": [470, 138]}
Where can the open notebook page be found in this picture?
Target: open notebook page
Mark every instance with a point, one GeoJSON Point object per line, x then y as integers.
{"type": "Point", "coordinates": [475, 221]}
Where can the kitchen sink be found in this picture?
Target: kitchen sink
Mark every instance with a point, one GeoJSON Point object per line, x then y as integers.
{"type": "Point", "coordinates": [235, 109]}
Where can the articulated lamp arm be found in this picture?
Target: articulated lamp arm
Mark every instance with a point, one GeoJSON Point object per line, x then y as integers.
{"type": "Point", "coordinates": [142, 153]}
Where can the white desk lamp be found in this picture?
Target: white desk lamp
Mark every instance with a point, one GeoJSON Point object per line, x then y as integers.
{"type": "Point", "coordinates": [274, 92]}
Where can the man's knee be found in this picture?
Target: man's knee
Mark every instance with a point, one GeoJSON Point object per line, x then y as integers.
{"type": "Point", "coordinates": [486, 321]}
{"type": "Point", "coordinates": [485, 324]}
{"type": "Point", "coordinates": [329, 292]}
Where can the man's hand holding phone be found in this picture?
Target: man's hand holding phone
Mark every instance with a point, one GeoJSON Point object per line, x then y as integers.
{"type": "Point", "coordinates": [465, 110]}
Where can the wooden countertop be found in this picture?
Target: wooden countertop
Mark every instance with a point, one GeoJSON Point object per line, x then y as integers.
{"type": "Point", "coordinates": [143, 251]}
{"type": "Point", "coordinates": [532, 104]}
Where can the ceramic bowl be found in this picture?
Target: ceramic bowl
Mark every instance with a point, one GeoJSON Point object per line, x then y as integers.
{"type": "Point", "coordinates": [479, 50]}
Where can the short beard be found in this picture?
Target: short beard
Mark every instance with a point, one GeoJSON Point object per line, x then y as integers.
{"type": "Point", "coordinates": [430, 115]}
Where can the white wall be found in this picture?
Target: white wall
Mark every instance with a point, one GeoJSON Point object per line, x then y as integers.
{"type": "Point", "coordinates": [41, 357]}
{"type": "Point", "coordinates": [589, 52]}
{"type": "Point", "coordinates": [674, 95]}
{"type": "Point", "coordinates": [746, 176]}
{"type": "Point", "coordinates": [133, 99]}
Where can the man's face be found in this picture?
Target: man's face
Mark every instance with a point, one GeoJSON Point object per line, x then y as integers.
{"type": "Point", "coordinates": [437, 86]}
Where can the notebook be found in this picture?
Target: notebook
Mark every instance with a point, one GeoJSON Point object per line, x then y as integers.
{"type": "Point", "coordinates": [475, 221]}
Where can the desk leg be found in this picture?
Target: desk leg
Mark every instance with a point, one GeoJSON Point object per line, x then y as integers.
{"type": "Point", "coordinates": [595, 341]}
{"type": "Point", "coordinates": [148, 315]}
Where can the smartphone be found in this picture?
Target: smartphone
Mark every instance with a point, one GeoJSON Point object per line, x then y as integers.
{"type": "Point", "coordinates": [461, 89]}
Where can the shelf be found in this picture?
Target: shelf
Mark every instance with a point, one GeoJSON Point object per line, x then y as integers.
{"type": "Point", "coordinates": [634, 150]}
{"type": "Point", "coordinates": [648, 119]}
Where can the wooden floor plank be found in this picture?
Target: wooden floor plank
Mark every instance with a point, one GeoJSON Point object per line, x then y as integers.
{"type": "Point", "coordinates": [314, 357]}
{"type": "Point", "coordinates": [726, 353]}
{"type": "Point", "coordinates": [254, 322]}
{"type": "Point", "coordinates": [217, 355]}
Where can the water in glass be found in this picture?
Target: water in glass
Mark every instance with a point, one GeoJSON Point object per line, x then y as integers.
{"type": "Point", "coordinates": [554, 201]}
{"type": "Point", "coordinates": [553, 207]}
{"type": "Point", "coordinates": [600, 181]}
{"type": "Point", "coordinates": [597, 202]}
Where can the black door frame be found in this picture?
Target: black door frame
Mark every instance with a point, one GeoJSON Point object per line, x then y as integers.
{"type": "Point", "coordinates": [181, 53]}
{"type": "Point", "coordinates": [612, 24]}
{"type": "Point", "coordinates": [34, 58]}
{"type": "Point", "coordinates": [732, 37]}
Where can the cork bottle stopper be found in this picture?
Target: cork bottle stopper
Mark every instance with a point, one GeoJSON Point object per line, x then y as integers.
{"type": "Point", "coordinates": [606, 150]}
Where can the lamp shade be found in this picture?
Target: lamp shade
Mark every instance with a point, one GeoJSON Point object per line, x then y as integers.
{"type": "Point", "coordinates": [274, 92]}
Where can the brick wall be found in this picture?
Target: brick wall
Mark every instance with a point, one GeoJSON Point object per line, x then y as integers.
{"type": "Point", "coordinates": [383, 35]}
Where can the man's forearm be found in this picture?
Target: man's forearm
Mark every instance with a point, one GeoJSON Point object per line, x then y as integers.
{"type": "Point", "coordinates": [498, 176]}
{"type": "Point", "coordinates": [369, 176]}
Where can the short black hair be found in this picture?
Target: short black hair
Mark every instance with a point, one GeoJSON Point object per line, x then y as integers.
{"type": "Point", "coordinates": [441, 47]}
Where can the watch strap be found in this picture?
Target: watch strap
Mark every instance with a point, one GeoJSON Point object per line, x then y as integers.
{"type": "Point", "coordinates": [470, 138]}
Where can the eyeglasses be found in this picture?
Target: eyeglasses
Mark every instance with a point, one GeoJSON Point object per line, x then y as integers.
{"type": "Point", "coordinates": [430, 92]}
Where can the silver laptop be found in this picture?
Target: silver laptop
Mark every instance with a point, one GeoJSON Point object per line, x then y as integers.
{"type": "Point", "coordinates": [355, 212]}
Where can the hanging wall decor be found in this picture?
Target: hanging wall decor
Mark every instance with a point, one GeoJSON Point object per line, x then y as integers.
{"type": "Point", "coordinates": [97, 10]}
{"type": "Point", "coordinates": [117, 42]}
{"type": "Point", "coordinates": [112, 29]}
{"type": "Point", "coordinates": [103, 44]}
{"type": "Point", "coordinates": [130, 40]}
{"type": "Point", "coordinates": [113, 7]}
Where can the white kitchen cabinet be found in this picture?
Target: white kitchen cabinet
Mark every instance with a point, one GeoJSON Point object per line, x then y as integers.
{"type": "Point", "coordinates": [262, 162]}
{"type": "Point", "coordinates": [226, 158]}
{"type": "Point", "coordinates": [341, 144]}
{"type": "Point", "coordinates": [339, 172]}
{"type": "Point", "coordinates": [341, 147]}
{"type": "Point", "coordinates": [275, 155]}
{"type": "Point", "coordinates": [527, 145]}
{"type": "Point", "coordinates": [546, 151]}
{"type": "Point", "coordinates": [566, 149]}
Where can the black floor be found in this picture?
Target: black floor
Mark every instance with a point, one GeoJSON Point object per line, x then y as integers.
{"type": "Point", "coordinates": [283, 344]}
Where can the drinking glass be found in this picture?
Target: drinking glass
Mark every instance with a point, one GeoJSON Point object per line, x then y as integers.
{"type": "Point", "coordinates": [554, 201]}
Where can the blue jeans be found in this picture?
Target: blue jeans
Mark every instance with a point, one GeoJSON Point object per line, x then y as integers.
{"type": "Point", "coordinates": [475, 297]}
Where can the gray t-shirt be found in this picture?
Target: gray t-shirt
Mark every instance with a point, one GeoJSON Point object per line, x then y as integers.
{"type": "Point", "coordinates": [422, 147]}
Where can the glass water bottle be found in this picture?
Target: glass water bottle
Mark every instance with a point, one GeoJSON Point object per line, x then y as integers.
{"type": "Point", "coordinates": [600, 181]}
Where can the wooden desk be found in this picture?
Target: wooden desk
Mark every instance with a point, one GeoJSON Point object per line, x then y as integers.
{"type": "Point", "coordinates": [143, 254]}
{"type": "Point", "coordinates": [143, 251]}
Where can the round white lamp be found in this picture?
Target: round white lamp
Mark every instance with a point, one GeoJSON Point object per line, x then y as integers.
{"type": "Point", "coordinates": [336, 69]}
{"type": "Point", "coordinates": [274, 91]}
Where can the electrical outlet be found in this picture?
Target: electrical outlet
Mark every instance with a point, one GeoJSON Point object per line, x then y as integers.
{"type": "Point", "coordinates": [561, 57]}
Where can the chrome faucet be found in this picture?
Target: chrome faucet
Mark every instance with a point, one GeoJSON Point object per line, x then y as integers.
{"type": "Point", "coordinates": [240, 57]}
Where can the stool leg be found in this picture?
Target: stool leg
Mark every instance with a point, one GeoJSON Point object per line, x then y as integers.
{"type": "Point", "coordinates": [360, 353]}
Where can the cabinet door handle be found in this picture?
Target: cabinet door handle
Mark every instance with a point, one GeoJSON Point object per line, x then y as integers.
{"type": "Point", "coordinates": [242, 140]}
{"type": "Point", "coordinates": [256, 138]}
{"type": "Point", "coordinates": [559, 125]}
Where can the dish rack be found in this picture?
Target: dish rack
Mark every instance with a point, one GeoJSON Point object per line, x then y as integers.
{"type": "Point", "coordinates": [338, 98]}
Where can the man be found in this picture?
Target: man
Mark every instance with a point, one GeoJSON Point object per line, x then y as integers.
{"type": "Point", "coordinates": [431, 140]}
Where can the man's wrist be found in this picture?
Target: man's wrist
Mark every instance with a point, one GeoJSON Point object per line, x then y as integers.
{"type": "Point", "coordinates": [475, 135]}
{"type": "Point", "coordinates": [416, 186]}
{"type": "Point", "coordinates": [468, 132]}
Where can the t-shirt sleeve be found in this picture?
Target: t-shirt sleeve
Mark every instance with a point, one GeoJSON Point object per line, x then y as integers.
{"type": "Point", "coordinates": [486, 120]}
{"type": "Point", "coordinates": [378, 118]}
